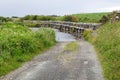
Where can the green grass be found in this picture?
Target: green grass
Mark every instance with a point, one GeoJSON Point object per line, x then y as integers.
{"type": "Point", "coordinates": [72, 46]}
{"type": "Point", "coordinates": [90, 17]}
{"type": "Point", "coordinates": [107, 44]}
{"type": "Point", "coordinates": [87, 34]}
{"type": "Point", "coordinates": [19, 44]}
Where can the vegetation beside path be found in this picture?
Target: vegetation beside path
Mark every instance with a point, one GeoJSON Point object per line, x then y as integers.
{"type": "Point", "coordinates": [72, 46]}
{"type": "Point", "coordinates": [19, 44]}
{"type": "Point", "coordinates": [107, 44]}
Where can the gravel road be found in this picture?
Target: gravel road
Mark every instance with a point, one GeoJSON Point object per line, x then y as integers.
{"type": "Point", "coordinates": [59, 64]}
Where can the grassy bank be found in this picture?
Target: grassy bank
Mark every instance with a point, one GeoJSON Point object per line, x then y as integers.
{"type": "Point", "coordinates": [18, 44]}
{"type": "Point", "coordinates": [107, 43]}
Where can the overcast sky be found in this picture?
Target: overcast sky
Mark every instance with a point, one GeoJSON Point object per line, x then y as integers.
{"type": "Point", "coordinates": [55, 7]}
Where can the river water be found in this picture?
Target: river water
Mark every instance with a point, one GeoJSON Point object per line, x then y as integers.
{"type": "Point", "coordinates": [60, 36]}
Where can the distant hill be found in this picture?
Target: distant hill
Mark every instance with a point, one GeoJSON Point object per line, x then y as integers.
{"type": "Point", "coordinates": [90, 17]}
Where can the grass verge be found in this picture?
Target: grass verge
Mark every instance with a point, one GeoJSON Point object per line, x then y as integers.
{"type": "Point", "coordinates": [19, 44]}
{"type": "Point", "coordinates": [107, 44]}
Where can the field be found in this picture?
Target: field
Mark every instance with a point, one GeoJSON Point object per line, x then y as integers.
{"type": "Point", "coordinates": [19, 44]}
{"type": "Point", "coordinates": [90, 17]}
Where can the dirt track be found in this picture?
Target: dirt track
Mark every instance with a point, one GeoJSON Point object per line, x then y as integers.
{"type": "Point", "coordinates": [58, 64]}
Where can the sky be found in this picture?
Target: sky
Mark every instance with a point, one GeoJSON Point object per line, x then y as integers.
{"type": "Point", "coordinates": [55, 7]}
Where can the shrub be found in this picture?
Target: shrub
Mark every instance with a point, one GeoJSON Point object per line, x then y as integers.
{"type": "Point", "coordinates": [38, 17]}
{"type": "Point", "coordinates": [104, 19]}
{"type": "Point", "coordinates": [70, 18]}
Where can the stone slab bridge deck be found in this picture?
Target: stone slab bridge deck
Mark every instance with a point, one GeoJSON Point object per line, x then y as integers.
{"type": "Point", "coordinates": [73, 28]}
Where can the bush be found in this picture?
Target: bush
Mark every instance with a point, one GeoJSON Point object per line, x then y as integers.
{"type": "Point", "coordinates": [38, 17]}
{"type": "Point", "coordinates": [104, 19]}
{"type": "Point", "coordinates": [19, 44]}
{"type": "Point", "coordinates": [70, 18]}
{"type": "Point", "coordinates": [46, 18]}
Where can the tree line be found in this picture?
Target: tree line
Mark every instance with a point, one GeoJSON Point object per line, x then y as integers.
{"type": "Point", "coordinates": [113, 16]}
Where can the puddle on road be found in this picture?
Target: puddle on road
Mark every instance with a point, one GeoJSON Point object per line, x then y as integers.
{"type": "Point", "coordinates": [63, 37]}
{"type": "Point", "coordinates": [85, 62]}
